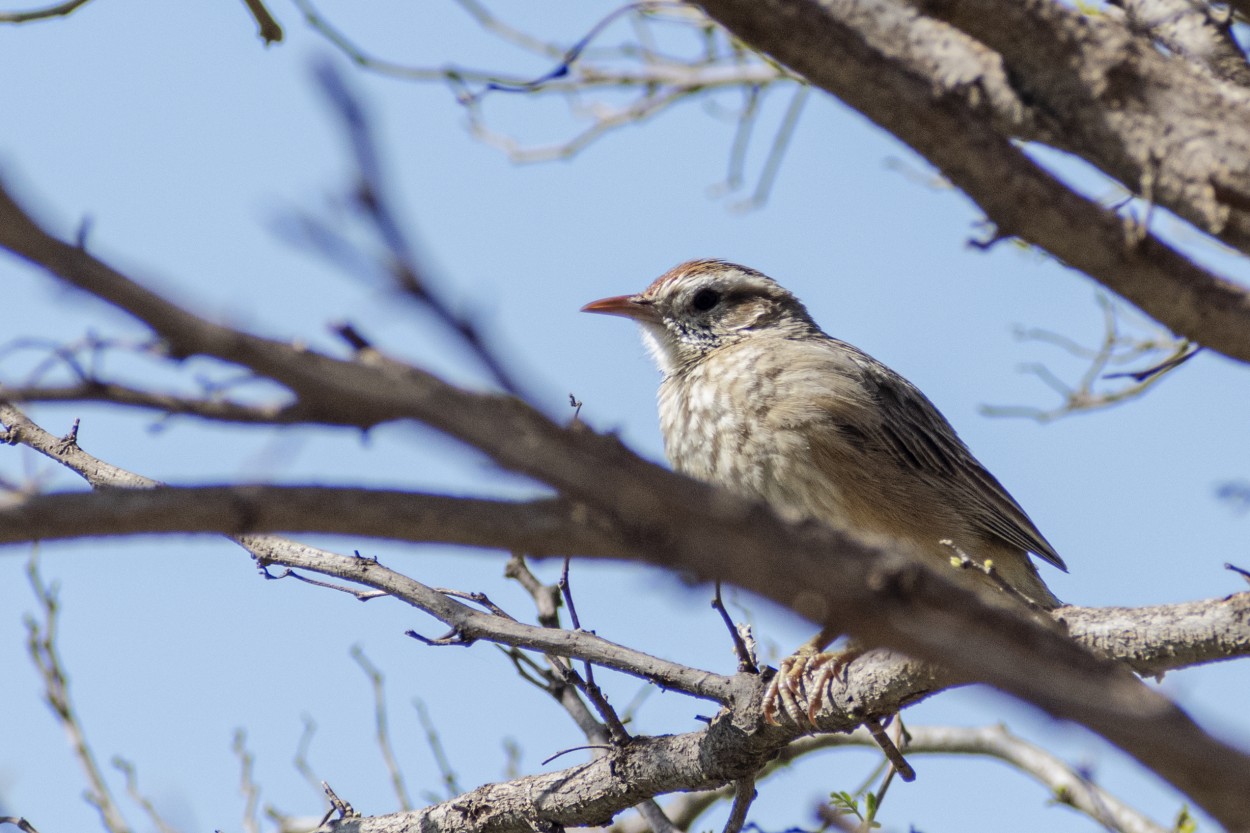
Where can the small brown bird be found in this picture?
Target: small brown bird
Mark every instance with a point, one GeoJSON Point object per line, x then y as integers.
{"type": "Point", "coordinates": [756, 398]}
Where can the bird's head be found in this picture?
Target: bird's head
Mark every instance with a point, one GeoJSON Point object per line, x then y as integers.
{"type": "Point", "coordinates": [704, 305]}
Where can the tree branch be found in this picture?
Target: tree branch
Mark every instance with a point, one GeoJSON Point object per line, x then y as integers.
{"type": "Point", "coordinates": [876, 684]}
{"type": "Point", "coordinates": [882, 596]}
{"type": "Point", "coordinates": [57, 10]}
{"type": "Point", "coordinates": [1150, 640]}
{"type": "Point", "coordinates": [963, 107]}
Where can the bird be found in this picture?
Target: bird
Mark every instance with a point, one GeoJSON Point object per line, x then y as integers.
{"type": "Point", "coordinates": [757, 399]}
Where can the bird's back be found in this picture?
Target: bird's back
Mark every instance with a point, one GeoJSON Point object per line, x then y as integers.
{"type": "Point", "coordinates": [820, 429]}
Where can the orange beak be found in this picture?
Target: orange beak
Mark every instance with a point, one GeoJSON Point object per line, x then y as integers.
{"type": "Point", "coordinates": [628, 306]}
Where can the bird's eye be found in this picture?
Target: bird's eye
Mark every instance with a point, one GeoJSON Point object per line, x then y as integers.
{"type": "Point", "coordinates": [705, 299]}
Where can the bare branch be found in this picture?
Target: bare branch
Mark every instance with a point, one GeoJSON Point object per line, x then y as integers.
{"type": "Point", "coordinates": [19, 822]}
{"type": "Point", "coordinates": [448, 774]}
{"type": "Point", "coordinates": [371, 199]}
{"type": "Point", "coordinates": [1097, 388]}
{"type": "Point", "coordinates": [220, 410]}
{"type": "Point", "coordinates": [870, 684]}
{"type": "Point", "coordinates": [382, 726]}
{"type": "Point", "coordinates": [544, 526]}
{"type": "Point", "coordinates": [880, 595]}
{"type": "Point", "coordinates": [656, 79]}
{"type": "Point", "coordinates": [57, 10]}
{"type": "Point", "coordinates": [127, 769]}
{"type": "Point", "coordinates": [267, 27]}
{"type": "Point", "coordinates": [41, 639]}
{"type": "Point", "coordinates": [247, 784]}
{"type": "Point", "coordinates": [1152, 640]}
{"type": "Point", "coordinates": [1067, 785]}
{"type": "Point", "coordinates": [880, 58]}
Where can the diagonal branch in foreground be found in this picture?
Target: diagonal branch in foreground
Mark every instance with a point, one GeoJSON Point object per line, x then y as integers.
{"type": "Point", "coordinates": [1150, 640]}
{"type": "Point", "coordinates": [875, 685]}
{"type": "Point", "coordinates": [879, 595]}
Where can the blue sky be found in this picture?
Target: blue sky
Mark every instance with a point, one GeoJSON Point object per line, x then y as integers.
{"type": "Point", "coordinates": [186, 142]}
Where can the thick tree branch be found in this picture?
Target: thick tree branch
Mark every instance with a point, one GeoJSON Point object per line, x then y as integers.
{"type": "Point", "coordinates": [877, 684]}
{"type": "Point", "coordinates": [1159, 638]}
{"type": "Point", "coordinates": [881, 596]}
{"type": "Point", "coordinates": [1150, 640]}
{"type": "Point", "coordinates": [541, 527]}
{"type": "Point", "coordinates": [1159, 123]}
{"type": "Point", "coordinates": [963, 107]}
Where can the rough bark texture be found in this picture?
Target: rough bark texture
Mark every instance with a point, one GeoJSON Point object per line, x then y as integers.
{"type": "Point", "coordinates": [963, 82]}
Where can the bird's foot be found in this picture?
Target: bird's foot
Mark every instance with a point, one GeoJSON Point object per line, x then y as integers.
{"type": "Point", "coordinates": [798, 689]}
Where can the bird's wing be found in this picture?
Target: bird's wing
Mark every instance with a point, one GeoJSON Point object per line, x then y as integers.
{"type": "Point", "coordinates": [912, 430]}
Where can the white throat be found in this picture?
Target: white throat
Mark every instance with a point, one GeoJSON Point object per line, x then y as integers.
{"type": "Point", "coordinates": [655, 337]}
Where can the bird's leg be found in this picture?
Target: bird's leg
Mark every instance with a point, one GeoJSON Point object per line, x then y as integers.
{"type": "Point", "coordinates": [788, 692]}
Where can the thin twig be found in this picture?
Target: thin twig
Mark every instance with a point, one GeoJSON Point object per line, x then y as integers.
{"type": "Point", "coordinates": [127, 769]}
{"type": "Point", "coordinates": [616, 729]}
{"type": "Point", "coordinates": [445, 769]}
{"type": "Point", "coordinates": [247, 783]}
{"type": "Point", "coordinates": [382, 726]}
{"type": "Point", "coordinates": [600, 746]}
{"type": "Point", "coordinates": [301, 760]}
{"type": "Point", "coordinates": [897, 762]}
{"type": "Point", "coordinates": [19, 822]}
{"type": "Point", "coordinates": [58, 10]}
{"type": "Point", "coordinates": [267, 26]}
{"type": "Point", "coordinates": [746, 661]}
{"type": "Point", "coordinates": [41, 639]}
{"type": "Point", "coordinates": [372, 199]}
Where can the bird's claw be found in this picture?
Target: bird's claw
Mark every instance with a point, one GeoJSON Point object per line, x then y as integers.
{"type": "Point", "coordinates": [798, 689]}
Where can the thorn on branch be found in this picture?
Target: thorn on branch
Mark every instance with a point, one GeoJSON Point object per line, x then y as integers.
{"type": "Point", "coordinates": [287, 572]}
{"type": "Point", "coordinates": [995, 235]}
{"type": "Point", "coordinates": [478, 598]}
{"type": "Point", "coordinates": [83, 232]}
{"type": "Point", "coordinates": [348, 332]}
{"type": "Point", "coordinates": [1244, 573]}
{"type": "Point", "coordinates": [267, 26]}
{"type": "Point", "coordinates": [70, 441]}
{"type": "Point", "coordinates": [602, 746]}
{"type": "Point", "coordinates": [1185, 354]}
{"type": "Point", "coordinates": [337, 805]}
